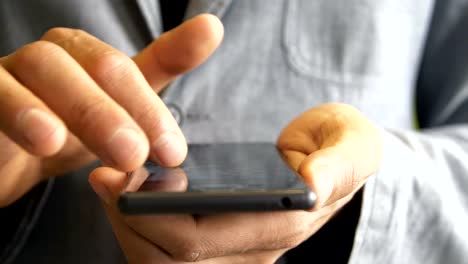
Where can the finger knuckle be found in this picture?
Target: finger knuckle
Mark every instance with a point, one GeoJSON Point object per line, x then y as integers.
{"type": "Point", "coordinates": [85, 113]}
{"type": "Point", "coordinates": [6, 95]}
{"type": "Point", "coordinates": [58, 33]}
{"type": "Point", "coordinates": [67, 38]}
{"type": "Point", "coordinates": [111, 67]}
{"type": "Point", "coordinates": [35, 54]}
{"type": "Point", "coordinates": [340, 107]}
{"type": "Point", "coordinates": [150, 118]}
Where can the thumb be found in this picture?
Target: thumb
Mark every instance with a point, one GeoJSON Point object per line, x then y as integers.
{"type": "Point", "coordinates": [338, 171]}
{"type": "Point", "coordinates": [325, 171]}
{"type": "Point", "coordinates": [108, 184]}
{"type": "Point", "coordinates": [180, 50]}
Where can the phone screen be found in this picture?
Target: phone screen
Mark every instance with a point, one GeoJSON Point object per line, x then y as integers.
{"type": "Point", "coordinates": [221, 168]}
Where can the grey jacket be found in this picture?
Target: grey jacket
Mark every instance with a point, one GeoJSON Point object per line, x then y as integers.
{"type": "Point", "coordinates": [389, 58]}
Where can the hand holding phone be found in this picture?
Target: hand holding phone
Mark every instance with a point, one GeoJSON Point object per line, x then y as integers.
{"type": "Point", "coordinates": [218, 178]}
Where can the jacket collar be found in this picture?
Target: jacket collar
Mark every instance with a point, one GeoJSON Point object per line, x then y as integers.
{"type": "Point", "coordinates": [152, 16]}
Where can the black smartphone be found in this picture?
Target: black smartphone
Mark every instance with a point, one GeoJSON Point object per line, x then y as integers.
{"type": "Point", "coordinates": [216, 178]}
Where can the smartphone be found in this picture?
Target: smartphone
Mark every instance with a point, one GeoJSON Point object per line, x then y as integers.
{"type": "Point", "coordinates": [217, 178]}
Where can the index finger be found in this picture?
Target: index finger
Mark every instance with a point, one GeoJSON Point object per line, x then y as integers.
{"type": "Point", "coordinates": [121, 79]}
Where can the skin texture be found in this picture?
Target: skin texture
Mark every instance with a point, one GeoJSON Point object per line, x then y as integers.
{"type": "Point", "coordinates": [69, 98]}
{"type": "Point", "coordinates": [333, 147]}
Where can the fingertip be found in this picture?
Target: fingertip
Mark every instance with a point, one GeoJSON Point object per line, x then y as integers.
{"type": "Point", "coordinates": [109, 177]}
{"type": "Point", "coordinates": [127, 149]}
{"type": "Point", "coordinates": [212, 27]}
{"type": "Point", "coordinates": [108, 183]}
{"type": "Point", "coordinates": [320, 178]}
{"type": "Point", "coordinates": [189, 44]}
{"type": "Point", "coordinates": [169, 150]}
{"type": "Point", "coordinates": [42, 133]}
{"type": "Point", "coordinates": [55, 142]}
{"type": "Point", "coordinates": [305, 170]}
{"type": "Point", "coordinates": [98, 172]}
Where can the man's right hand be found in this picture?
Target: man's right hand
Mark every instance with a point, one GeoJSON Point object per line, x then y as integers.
{"type": "Point", "coordinates": [69, 98]}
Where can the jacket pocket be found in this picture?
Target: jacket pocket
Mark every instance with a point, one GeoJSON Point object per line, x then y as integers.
{"type": "Point", "coordinates": [346, 41]}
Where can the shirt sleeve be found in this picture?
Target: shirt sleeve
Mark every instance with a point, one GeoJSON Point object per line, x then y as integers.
{"type": "Point", "coordinates": [415, 209]}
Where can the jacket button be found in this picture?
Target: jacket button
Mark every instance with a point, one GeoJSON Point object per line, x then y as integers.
{"type": "Point", "coordinates": [176, 112]}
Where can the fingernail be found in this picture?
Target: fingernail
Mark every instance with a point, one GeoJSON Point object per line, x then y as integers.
{"type": "Point", "coordinates": [124, 146]}
{"type": "Point", "coordinates": [38, 127]}
{"type": "Point", "coordinates": [102, 192]}
{"type": "Point", "coordinates": [169, 149]}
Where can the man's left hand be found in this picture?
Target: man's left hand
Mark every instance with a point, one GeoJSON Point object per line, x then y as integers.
{"type": "Point", "coordinates": [333, 147]}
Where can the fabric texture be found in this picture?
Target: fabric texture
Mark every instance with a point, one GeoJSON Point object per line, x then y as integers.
{"type": "Point", "coordinates": [278, 59]}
